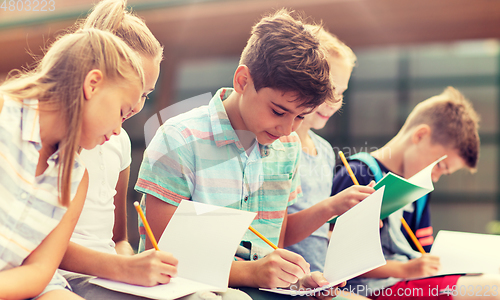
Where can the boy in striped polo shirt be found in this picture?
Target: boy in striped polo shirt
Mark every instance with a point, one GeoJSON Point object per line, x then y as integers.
{"type": "Point", "coordinates": [241, 151]}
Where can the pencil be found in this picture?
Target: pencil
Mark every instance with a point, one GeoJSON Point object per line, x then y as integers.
{"type": "Point", "coordinates": [146, 225]}
{"type": "Point", "coordinates": [413, 237]}
{"type": "Point", "coordinates": [348, 168]}
{"type": "Point", "coordinates": [262, 237]}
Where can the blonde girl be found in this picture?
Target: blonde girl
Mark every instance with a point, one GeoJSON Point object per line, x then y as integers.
{"type": "Point", "coordinates": [45, 116]}
{"type": "Point", "coordinates": [101, 232]}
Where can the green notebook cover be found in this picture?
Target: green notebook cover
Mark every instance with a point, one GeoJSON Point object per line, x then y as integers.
{"type": "Point", "coordinates": [399, 192]}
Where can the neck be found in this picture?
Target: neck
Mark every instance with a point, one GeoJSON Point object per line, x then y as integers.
{"type": "Point", "coordinates": [392, 154]}
{"type": "Point", "coordinates": [231, 104]}
{"type": "Point", "coordinates": [51, 131]}
{"type": "Point", "coordinates": [306, 141]}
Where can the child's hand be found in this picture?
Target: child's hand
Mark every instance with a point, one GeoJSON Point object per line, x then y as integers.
{"type": "Point", "coordinates": [316, 279]}
{"type": "Point", "coordinates": [280, 268]}
{"type": "Point", "coordinates": [426, 265]}
{"type": "Point", "coordinates": [349, 197]}
{"type": "Point", "coordinates": [150, 268]}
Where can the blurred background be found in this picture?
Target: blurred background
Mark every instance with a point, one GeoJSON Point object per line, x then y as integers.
{"type": "Point", "coordinates": [407, 51]}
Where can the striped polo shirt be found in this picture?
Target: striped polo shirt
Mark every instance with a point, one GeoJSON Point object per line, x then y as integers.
{"type": "Point", "coordinates": [29, 205]}
{"type": "Point", "coordinates": [197, 156]}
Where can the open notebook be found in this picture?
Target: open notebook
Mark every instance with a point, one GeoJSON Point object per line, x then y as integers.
{"type": "Point", "coordinates": [198, 235]}
{"type": "Point", "coordinates": [463, 252]}
{"type": "Point", "coordinates": [354, 247]}
{"type": "Point", "coordinates": [400, 192]}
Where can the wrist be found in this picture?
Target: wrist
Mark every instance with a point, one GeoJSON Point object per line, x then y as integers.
{"type": "Point", "coordinates": [402, 269]}
{"type": "Point", "coordinates": [331, 207]}
{"type": "Point", "coordinates": [242, 274]}
{"type": "Point", "coordinates": [120, 268]}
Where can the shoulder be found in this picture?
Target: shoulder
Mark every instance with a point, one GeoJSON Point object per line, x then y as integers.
{"type": "Point", "coordinates": [291, 144]}
{"type": "Point", "coordinates": [189, 123]}
{"type": "Point", "coordinates": [293, 138]}
{"type": "Point", "coordinates": [321, 143]}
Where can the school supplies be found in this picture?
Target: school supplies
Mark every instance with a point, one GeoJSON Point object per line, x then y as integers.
{"type": "Point", "coordinates": [204, 239]}
{"type": "Point", "coordinates": [412, 236]}
{"type": "Point", "coordinates": [149, 233]}
{"type": "Point", "coordinates": [463, 252]}
{"type": "Point", "coordinates": [348, 168]}
{"type": "Point", "coordinates": [354, 247]}
{"type": "Point", "coordinates": [400, 192]}
{"type": "Point", "coordinates": [262, 237]}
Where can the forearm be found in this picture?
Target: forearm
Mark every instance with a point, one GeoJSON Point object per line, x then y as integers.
{"type": "Point", "coordinates": [24, 282]}
{"type": "Point", "coordinates": [124, 248]}
{"type": "Point", "coordinates": [303, 223]}
{"type": "Point", "coordinates": [80, 259]}
{"type": "Point", "coordinates": [241, 274]}
{"type": "Point", "coordinates": [392, 268]}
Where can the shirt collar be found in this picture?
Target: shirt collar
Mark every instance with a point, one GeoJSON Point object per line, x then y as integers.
{"type": "Point", "coordinates": [222, 130]}
{"type": "Point", "coordinates": [31, 122]}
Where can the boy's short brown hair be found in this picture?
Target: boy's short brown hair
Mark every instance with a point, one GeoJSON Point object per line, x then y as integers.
{"type": "Point", "coordinates": [282, 54]}
{"type": "Point", "coordinates": [453, 122]}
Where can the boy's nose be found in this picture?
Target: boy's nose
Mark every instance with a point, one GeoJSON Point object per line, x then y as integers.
{"type": "Point", "coordinates": [435, 175]}
{"type": "Point", "coordinates": [286, 128]}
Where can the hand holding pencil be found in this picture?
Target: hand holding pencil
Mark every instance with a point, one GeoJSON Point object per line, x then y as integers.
{"type": "Point", "coordinates": [150, 267]}
{"type": "Point", "coordinates": [346, 199]}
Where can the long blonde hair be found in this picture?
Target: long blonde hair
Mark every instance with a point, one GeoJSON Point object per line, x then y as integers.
{"type": "Point", "coordinates": [58, 80]}
{"type": "Point", "coordinates": [112, 15]}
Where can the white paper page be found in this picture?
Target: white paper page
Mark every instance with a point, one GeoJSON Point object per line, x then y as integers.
{"type": "Point", "coordinates": [204, 239]}
{"type": "Point", "coordinates": [354, 247]}
{"type": "Point", "coordinates": [463, 252]}
{"type": "Point", "coordinates": [423, 178]}
{"type": "Point", "coordinates": [177, 287]}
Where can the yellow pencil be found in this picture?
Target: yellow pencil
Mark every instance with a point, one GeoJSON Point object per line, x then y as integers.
{"type": "Point", "coordinates": [348, 168]}
{"type": "Point", "coordinates": [262, 237]}
{"type": "Point", "coordinates": [413, 237]}
{"type": "Point", "coordinates": [146, 225]}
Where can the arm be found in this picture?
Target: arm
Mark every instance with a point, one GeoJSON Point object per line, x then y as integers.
{"type": "Point", "coordinates": [120, 236]}
{"type": "Point", "coordinates": [29, 279]}
{"type": "Point", "coordinates": [424, 266]}
{"type": "Point", "coordinates": [158, 214]}
{"type": "Point", "coordinates": [301, 224]}
{"type": "Point", "coordinates": [147, 269]}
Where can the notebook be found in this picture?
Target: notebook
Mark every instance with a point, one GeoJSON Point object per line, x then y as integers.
{"type": "Point", "coordinates": [197, 235]}
{"type": "Point", "coordinates": [354, 246]}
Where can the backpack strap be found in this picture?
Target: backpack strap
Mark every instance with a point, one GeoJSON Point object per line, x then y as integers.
{"type": "Point", "coordinates": [419, 207]}
{"type": "Point", "coordinates": [371, 162]}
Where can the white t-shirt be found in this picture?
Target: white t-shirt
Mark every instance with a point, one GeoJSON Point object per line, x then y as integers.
{"type": "Point", "coordinates": [104, 163]}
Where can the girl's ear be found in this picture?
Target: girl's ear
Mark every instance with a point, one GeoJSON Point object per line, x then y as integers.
{"type": "Point", "coordinates": [241, 79]}
{"type": "Point", "coordinates": [421, 132]}
{"type": "Point", "coordinates": [92, 82]}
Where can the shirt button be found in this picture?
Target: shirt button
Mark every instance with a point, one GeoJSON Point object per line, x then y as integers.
{"type": "Point", "coordinates": [102, 167]}
{"type": "Point", "coordinates": [24, 195]}
{"type": "Point", "coordinates": [246, 198]}
{"type": "Point", "coordinates": [255, 257]}
{"type": "Point", "coordinates": [103, 182]}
